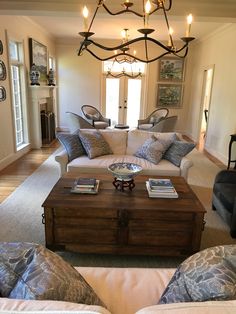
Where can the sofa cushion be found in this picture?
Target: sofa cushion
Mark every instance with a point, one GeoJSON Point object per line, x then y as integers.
{"type": "Point", "coordinates": [30, 271]}
{"type": "Point", "coordinates": [207, 275]}
{"type": "Point", "coordinates": [117, 140]}
{"type": "Point", "coordinates": [177, 150]}
{"type": "Point", "coordinates": [152, 150]}
{"type": "Point", "coordinates": [226, 193]}
{"type": "Point", "coordinates": [15, 306]}
{"type": "Point", "coordinates": [94, 143]}
{"type": "Point", "coordinates": [208, 307]}
{"type": "Point", "coordinates": [72, 145]}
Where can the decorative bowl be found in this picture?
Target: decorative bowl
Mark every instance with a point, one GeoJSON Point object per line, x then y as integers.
{"type": "Point", "coordinates": [124, 171]}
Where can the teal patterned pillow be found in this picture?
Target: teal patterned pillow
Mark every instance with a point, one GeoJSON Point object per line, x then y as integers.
{"type": "Point", "coordinates": [153, 149]}
{"type": "Point", "coordinates": [204, 276]}
{"type": "Point", "coordinates": [32, 272]}
{"type": "Point", "coordinates": [94, 143]}
{"type": "Point", "coordinates": [177, 150]}
{"type": "Point", "coordinates": [72, 145]}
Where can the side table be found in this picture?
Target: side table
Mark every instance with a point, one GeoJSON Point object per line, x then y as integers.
{"type": "Point", "coordinates": [233, 139]}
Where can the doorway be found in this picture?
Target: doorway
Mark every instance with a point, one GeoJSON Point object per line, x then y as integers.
{"type": "Point", "coordinates": [205, 105]}
{"type": "Point", "coordinates": [123, 98]}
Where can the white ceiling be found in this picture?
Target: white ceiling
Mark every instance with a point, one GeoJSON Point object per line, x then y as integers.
{"type": "Point", "coordinates": [62, 18]}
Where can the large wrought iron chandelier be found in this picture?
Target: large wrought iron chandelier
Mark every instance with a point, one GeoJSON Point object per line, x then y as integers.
{"type": "Point", "coordinates": [149, 7]}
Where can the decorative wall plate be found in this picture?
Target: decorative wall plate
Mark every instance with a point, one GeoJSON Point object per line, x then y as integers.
{"type": "Point", "coordinates": [2, 93]}
{"type": "Point", "coordinates": [1, 48]}
{"type": "Point", "coordinates": [3, 73]}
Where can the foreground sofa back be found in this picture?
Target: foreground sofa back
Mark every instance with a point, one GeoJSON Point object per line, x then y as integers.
{"type": "Point", "coordinates": [124, 291]}
{"type": "Point", "coordinates": [123, 145]}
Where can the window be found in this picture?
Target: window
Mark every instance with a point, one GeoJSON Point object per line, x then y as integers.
{"type": "Point", "coordinates": [18, 94]}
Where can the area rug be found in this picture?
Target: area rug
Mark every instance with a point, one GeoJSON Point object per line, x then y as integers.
{"type": "Point", "coordinates": [21, 215]}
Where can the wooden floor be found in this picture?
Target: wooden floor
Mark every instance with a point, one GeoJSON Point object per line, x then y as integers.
{"type": "Point", "coordinates": [13, 175]}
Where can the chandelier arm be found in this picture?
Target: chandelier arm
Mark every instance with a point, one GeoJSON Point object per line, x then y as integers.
{"type": "Point", "coordinates": [94, 15]}
{"type": "Point", "coordinates": [126, 44]}
{"type": "Point", "coordinates": [122, 11]}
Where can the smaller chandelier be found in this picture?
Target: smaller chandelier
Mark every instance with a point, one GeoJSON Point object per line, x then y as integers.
{"type": "Point", "coordinates": [145, 40]}
{"type": "Point", "coordinates": [126, 65]}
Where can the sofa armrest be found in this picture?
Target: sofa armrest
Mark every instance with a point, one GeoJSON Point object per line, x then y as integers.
{"type": "Point", "coordinates": [184, 167]}
{"type": "Point", "coordinates": [62, 159]}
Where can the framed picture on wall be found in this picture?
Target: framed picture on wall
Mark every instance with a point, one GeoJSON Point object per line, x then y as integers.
{"type": "Point", "coordinates": [171, 69]}
{"type": "Point", "coordinates": [2, 93]}
{"type": "Point", "coordinates": [38, 56]}
{"type": "Point", "coordinates": [3, 72]}
{"type": "Point", "coordinates": [169, 95]}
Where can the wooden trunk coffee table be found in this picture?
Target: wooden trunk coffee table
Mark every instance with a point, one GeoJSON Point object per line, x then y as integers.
{"type": "Point", "coordinates": [128, 222]}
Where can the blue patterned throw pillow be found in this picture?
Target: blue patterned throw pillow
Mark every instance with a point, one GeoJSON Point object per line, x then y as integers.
{"type": "Point", "coordinates": [177, 150]}
{"type": "Point", "coordinates": [204, 276]}
{"type": "Point", "coordinates": [72, 145]}
{"type": "Point", "coordinates": [30, 271]}
{"type": "Point", "coordinates": [153, 149]}
{"type": "Point", "coordinates": [94, 143]}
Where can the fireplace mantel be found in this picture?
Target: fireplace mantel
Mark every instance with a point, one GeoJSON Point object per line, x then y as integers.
{"type": "Point", "coordinates": [40, 96]}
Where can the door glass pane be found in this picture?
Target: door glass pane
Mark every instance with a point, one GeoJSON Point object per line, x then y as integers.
{"type": "Point", "coordinates": [133, 102]}
{"type": "Point", "coordinates": [112, 99]}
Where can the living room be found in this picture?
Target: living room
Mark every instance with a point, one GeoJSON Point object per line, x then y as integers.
{"type": "Point", "coordinates": [79, 81]}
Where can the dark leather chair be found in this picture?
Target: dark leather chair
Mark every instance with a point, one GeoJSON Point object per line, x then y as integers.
{"type": "Point", "coordinates": [94, 115]}
{"type": "Point", "coordinates": [224, 198]}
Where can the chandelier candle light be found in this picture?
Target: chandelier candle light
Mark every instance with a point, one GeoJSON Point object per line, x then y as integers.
{"type": "Point", "coordinates": [149, 7]}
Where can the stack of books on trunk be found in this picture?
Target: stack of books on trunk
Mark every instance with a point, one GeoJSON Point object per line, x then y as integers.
{"type": "Point", "coordinates": [86, 186]}
{"type": "Point", "coordinates": [162, 188]}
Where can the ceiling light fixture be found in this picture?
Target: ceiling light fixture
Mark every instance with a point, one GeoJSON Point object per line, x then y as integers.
{"type": "Point", "coordinates": [145, 40]}
{"type": "Point", "coordinates": [124, 65]}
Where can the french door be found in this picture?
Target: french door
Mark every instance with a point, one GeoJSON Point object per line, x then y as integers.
{"type": "Point", "coordinates": [123, 98]}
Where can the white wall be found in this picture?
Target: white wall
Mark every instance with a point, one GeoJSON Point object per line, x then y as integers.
{"type": "Point", "coordinates": [218, 50]}
{"type": "Point", "coordinates": [79, 81]}
{"type": "Point", "coordinates": [19, 28]}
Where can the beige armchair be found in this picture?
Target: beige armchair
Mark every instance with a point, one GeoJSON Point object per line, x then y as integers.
{"type": "Point", "coordinates": [77, 122]}
{"type": "Point", "coordinates": [156, 116]}
{"type": "Point", "coordinates": [94, 115]}
{"type": "Point", "coordinates": [165, 125]}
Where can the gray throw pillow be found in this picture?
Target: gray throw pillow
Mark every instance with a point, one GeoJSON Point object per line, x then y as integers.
{"type": "Point", "coordinates": [72, 144]}
{"type": "Point", "coordinates": [204, 276]}
{"type": "Point", "coordinates": [177, 150]}
{"type": "Point", "coordinates": [30, 271]}
{"type": "Point", "coordinates": [94, 143]}
{"type": "Point", "coordinates": [153, 149]}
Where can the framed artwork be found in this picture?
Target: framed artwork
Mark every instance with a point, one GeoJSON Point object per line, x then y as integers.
{"type": "Point", "coordinates": [171, 69]}
{"type": "Point", "coordinates": [169, 95]}
{"type": "Point", "coordinates": [38, 56]}
{"type": "Point", "coordinates": [1, 48]}
{"type": "Point", "coordinates": [2, 93]}
{"type": "Point", "coordinates": [3, 72]}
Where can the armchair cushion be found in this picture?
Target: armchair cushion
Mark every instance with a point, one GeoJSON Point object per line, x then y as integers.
{"type": "Point", "coordinates": [72, 145]}
{"type": "Point", "coordinates": [226, 193]}
{"type": "Point", "coordinates": [94, 143]}
{"type": "Point", "coordinates": [177, 150]}
{"type": "Point", "coordinates": [155, 119]}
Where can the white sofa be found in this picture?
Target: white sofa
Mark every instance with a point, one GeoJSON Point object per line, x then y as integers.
{"type": "Point", "coordinates": [123, 145]}
{"type": "Point", "coordinates": [124, 291]}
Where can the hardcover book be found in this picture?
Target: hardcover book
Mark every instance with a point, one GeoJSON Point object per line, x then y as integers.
{"type": "Point", "coordinates": [86, 182]}
{"type": "Point", "coordinates": [86, 190]}
{"type": "Point", "coordinates": [160, 184]}
{"type": "Point", "coordinates": [161, 193]}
